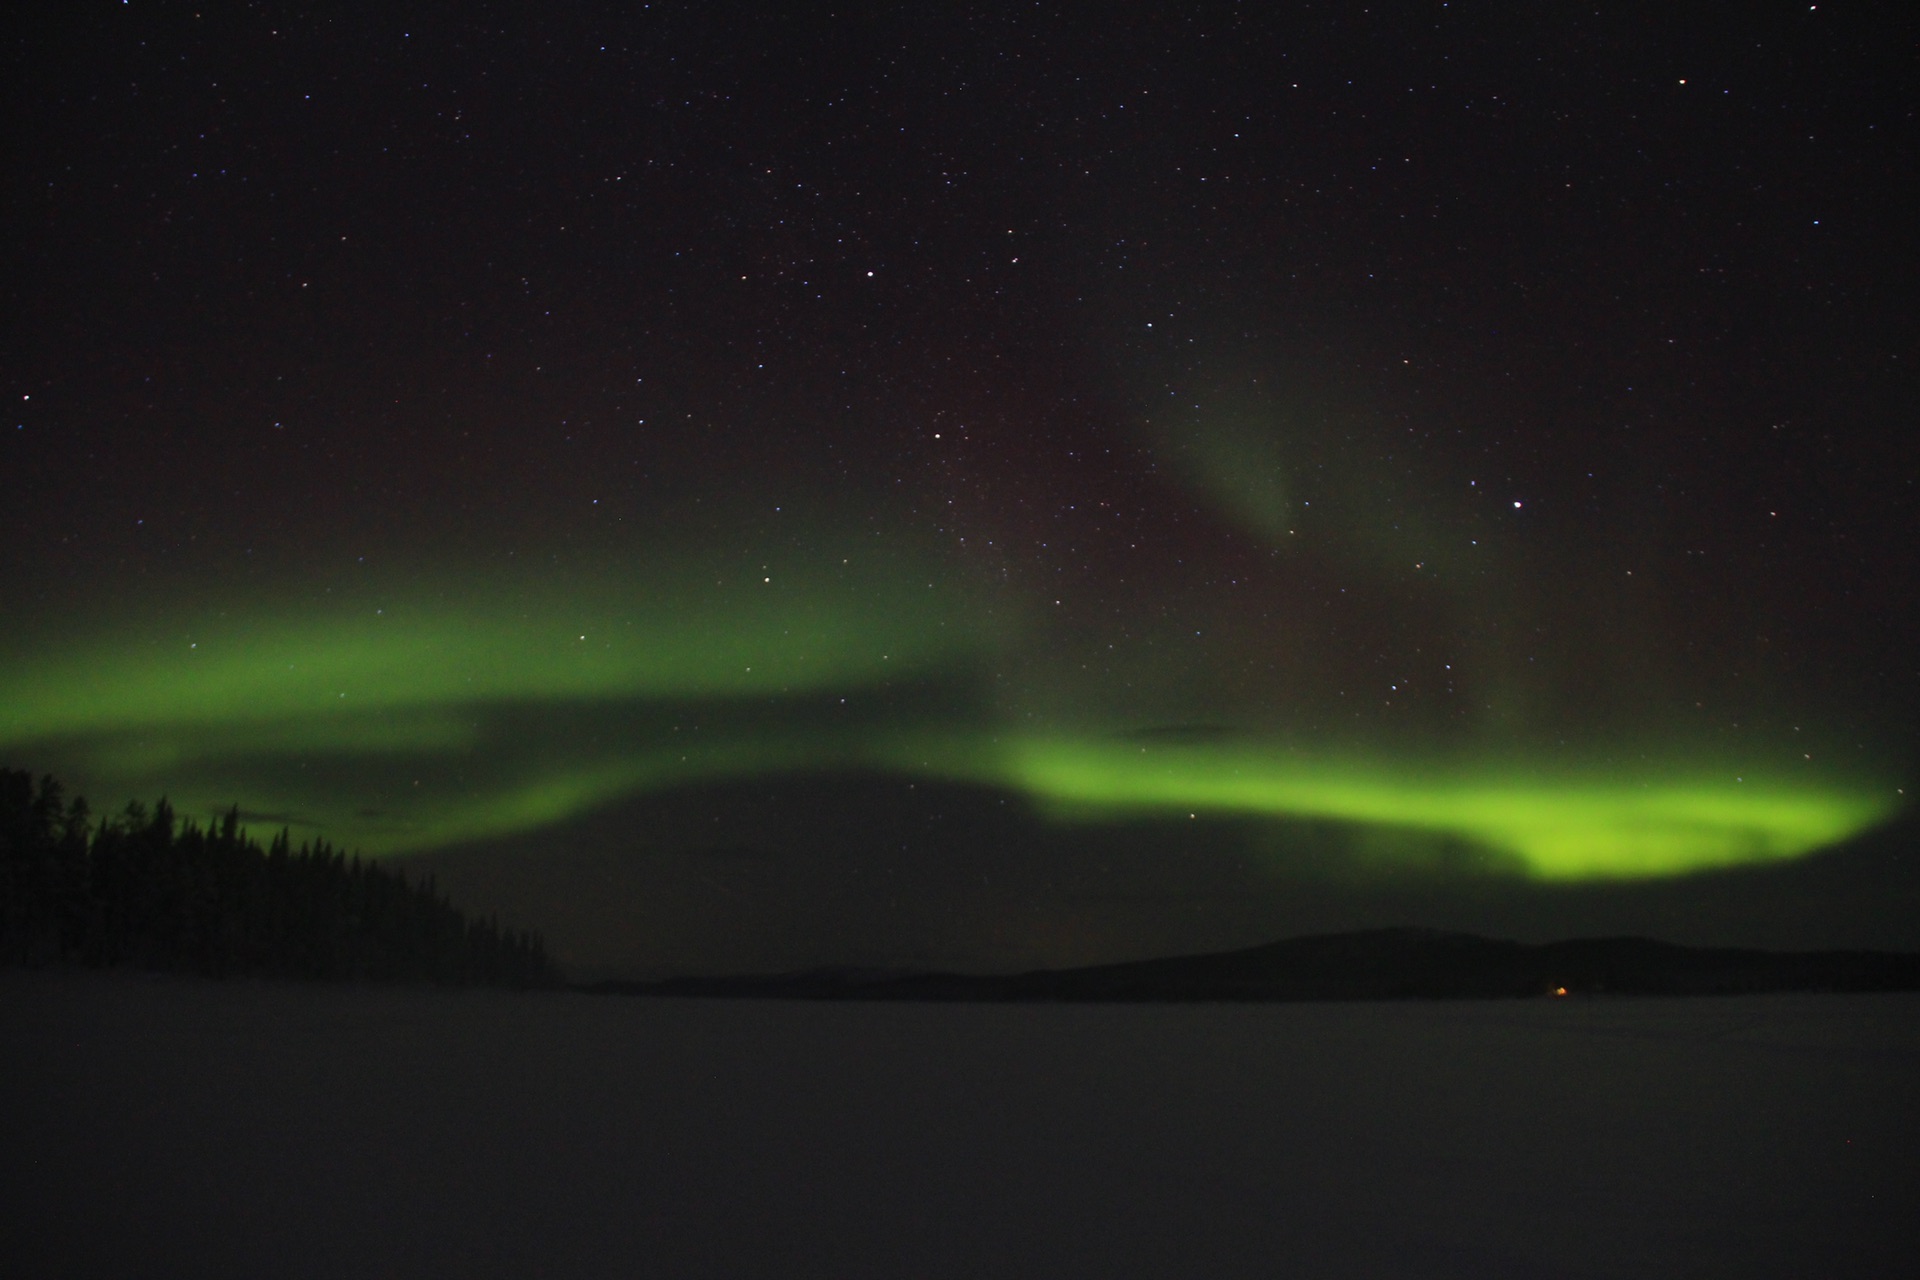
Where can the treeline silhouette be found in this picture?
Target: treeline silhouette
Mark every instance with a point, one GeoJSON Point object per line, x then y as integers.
{"type": "Point", "coordinates": [148, 890]}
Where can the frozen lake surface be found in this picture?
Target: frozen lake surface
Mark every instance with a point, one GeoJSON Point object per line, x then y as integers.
{"type": "Point", "coordinates": [159, 1127]}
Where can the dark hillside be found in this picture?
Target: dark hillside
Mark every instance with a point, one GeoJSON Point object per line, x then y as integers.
{"type": "Point", "coordinates": [1385, 964]}
{"type": "Point", "coordinates": [150, 891]}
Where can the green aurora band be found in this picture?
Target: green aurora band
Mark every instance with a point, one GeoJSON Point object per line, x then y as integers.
{"type": "Point", "coordinates": [396, 729]}
{"type": "Point", "coordinates": [750, 632]}
{"type": "Point", "coordinates": [1558, 829]}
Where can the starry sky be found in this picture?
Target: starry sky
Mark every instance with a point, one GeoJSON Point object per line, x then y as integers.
{"type": "Point", "coordinates": [984, 486]}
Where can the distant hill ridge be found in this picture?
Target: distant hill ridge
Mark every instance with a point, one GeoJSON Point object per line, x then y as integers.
{"type": "Point", "coordinates": [1379, 964]}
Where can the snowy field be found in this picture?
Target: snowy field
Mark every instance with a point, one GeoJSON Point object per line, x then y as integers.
{"type": "Point", "coordinates": [157, 1127]}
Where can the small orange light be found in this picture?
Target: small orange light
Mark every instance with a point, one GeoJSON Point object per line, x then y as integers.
{"type": "Point", "coordinates": [1559, 991]}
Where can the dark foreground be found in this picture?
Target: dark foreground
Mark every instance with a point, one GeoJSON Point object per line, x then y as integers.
{"type": "Point", "coordinates": [159, 1127]}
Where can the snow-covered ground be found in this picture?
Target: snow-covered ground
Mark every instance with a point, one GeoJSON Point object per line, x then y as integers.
{"type": "Point", "coordinates": [159, 1127]}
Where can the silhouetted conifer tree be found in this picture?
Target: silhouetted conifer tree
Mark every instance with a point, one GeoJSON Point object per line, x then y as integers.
{"type": "Point", "coordinates": [150, 890]}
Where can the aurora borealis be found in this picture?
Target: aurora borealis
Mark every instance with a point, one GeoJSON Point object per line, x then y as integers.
{"type": "Point", "coordinates": [1483, 437]}
{"type": "Point", "coordinates": [757, 680]}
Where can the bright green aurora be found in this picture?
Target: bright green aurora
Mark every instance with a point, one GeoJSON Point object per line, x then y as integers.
{"type": "Point", "coordinates": [395, 724]}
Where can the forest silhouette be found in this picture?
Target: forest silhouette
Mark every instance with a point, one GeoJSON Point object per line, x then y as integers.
{"type": "Point", "coordinates": [149, 890]}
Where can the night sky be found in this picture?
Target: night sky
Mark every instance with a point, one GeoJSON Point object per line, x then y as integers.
{"type": "Point", "coordinates": [985, 486]}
